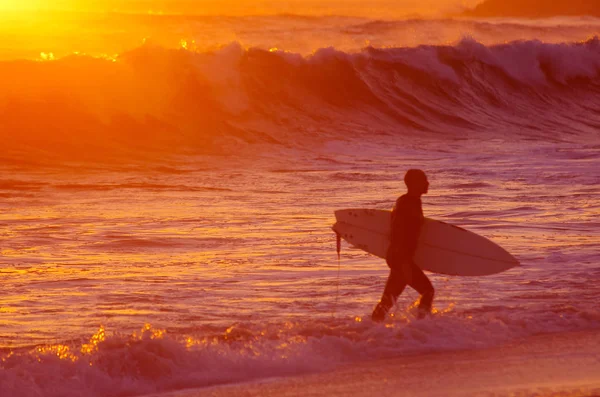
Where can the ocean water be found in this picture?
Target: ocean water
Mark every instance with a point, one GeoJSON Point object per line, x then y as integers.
{"type": "Point", "coordinates": [165, 214]}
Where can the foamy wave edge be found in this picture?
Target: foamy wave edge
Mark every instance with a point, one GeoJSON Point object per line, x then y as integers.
{"type": "Point", "coordinates": [153, 360]}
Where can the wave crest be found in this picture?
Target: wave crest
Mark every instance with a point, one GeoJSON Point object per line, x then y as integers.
{"type": "Point", "coordinates": [153, 99]}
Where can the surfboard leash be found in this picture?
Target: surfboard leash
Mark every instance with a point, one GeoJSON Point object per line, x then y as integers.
{"type": "Point", "coordinates": [339, 250]}
{"type": "Point", "coordinates": [338, 244]}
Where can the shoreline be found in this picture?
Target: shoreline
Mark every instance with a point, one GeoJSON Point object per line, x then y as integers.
{"type": "Point", "coordinates": [558, 364]}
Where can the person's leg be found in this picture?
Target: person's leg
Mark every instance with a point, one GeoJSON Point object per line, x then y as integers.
{"type": "Point", "coordinates": [421, 283]}
{"type": "Point", "coordinates": [393, 288]}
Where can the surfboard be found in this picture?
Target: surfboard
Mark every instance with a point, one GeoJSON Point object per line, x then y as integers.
{"type": "Point", "coordinates": [443, 248]}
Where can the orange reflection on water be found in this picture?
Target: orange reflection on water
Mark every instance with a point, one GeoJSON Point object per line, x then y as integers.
{"type": "Point", "coordinates": [92, 346]}
{"type": "Point", "coordinates": [448, 309]}
{"type": "Point", "coordinates": [148, 332]}
{"type": "Point", "coordinates": [63, 352]}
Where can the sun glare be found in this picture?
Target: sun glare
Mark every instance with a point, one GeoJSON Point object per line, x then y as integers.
{"type": "Point", "coordinates": [240, 7]}
{"type": "Point", "coordinates": [16, 5]}
{"type": "Point", "coordinates": [56, 5]}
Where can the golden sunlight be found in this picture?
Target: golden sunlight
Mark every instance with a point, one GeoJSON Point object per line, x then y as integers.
{"type": "Point", "coordinates": [243, 7]}
{"type": "Point", "coordinates": [16, 5]}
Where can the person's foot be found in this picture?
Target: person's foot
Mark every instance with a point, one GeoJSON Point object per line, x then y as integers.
{"type": "Point", "coordinates": [379, 313]}
{"type": "Point", "coordinates": [423, 312]}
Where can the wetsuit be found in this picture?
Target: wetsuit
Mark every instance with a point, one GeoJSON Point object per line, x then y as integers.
{"type": "Point", "coordinates": [407, 218]}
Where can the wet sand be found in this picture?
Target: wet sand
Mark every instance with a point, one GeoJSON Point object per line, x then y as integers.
{"type": "Point", "coordinates": [562, 364]}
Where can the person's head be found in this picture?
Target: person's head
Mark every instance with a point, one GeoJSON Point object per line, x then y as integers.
{"type": "Point", "coordinates": [416, 182]}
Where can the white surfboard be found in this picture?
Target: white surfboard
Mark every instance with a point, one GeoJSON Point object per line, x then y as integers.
{"type": "Point", "coordinates": [443, 248]}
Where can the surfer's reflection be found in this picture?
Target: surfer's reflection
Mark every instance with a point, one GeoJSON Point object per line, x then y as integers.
{"type": "Point", "coordinates": [407, 218]}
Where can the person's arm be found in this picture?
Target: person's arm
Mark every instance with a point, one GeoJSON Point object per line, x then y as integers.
{"type": "Point", "coordinates": [405, 228]}
{"type": "Point", "coordinates": [395, 228]}
{"type": "Point", "coordinates": [412, 229]}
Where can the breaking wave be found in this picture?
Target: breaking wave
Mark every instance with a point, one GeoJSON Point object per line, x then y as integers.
{"type": "Point", "coordinates": [155, 100]}
{"type": "Point", "coordinates": [153, 360]}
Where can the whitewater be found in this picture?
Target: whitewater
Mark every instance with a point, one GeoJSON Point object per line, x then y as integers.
{"type": "Point", "coordinates": [166, 211]}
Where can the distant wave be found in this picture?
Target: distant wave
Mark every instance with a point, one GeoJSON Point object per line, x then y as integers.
{"type": "Point", "coordinates": [536, 8]}
{"type": "Point", "coordinates": [141, 186]}
{"type": "Point", "coordinates": [153, 100]}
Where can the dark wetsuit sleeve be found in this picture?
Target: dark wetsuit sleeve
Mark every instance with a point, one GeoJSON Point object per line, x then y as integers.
{"type": "Point", "coordinates": [407, 218]}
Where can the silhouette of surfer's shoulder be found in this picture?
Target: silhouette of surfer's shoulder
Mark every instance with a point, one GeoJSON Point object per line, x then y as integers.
{"type": "Point", "coordinates": [407, 206]}
{"type": "Point", "coordinates": [408, 201]}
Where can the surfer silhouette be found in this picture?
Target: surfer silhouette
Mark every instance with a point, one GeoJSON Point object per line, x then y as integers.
{"type": "Point", "coordinates": [407, 218]}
